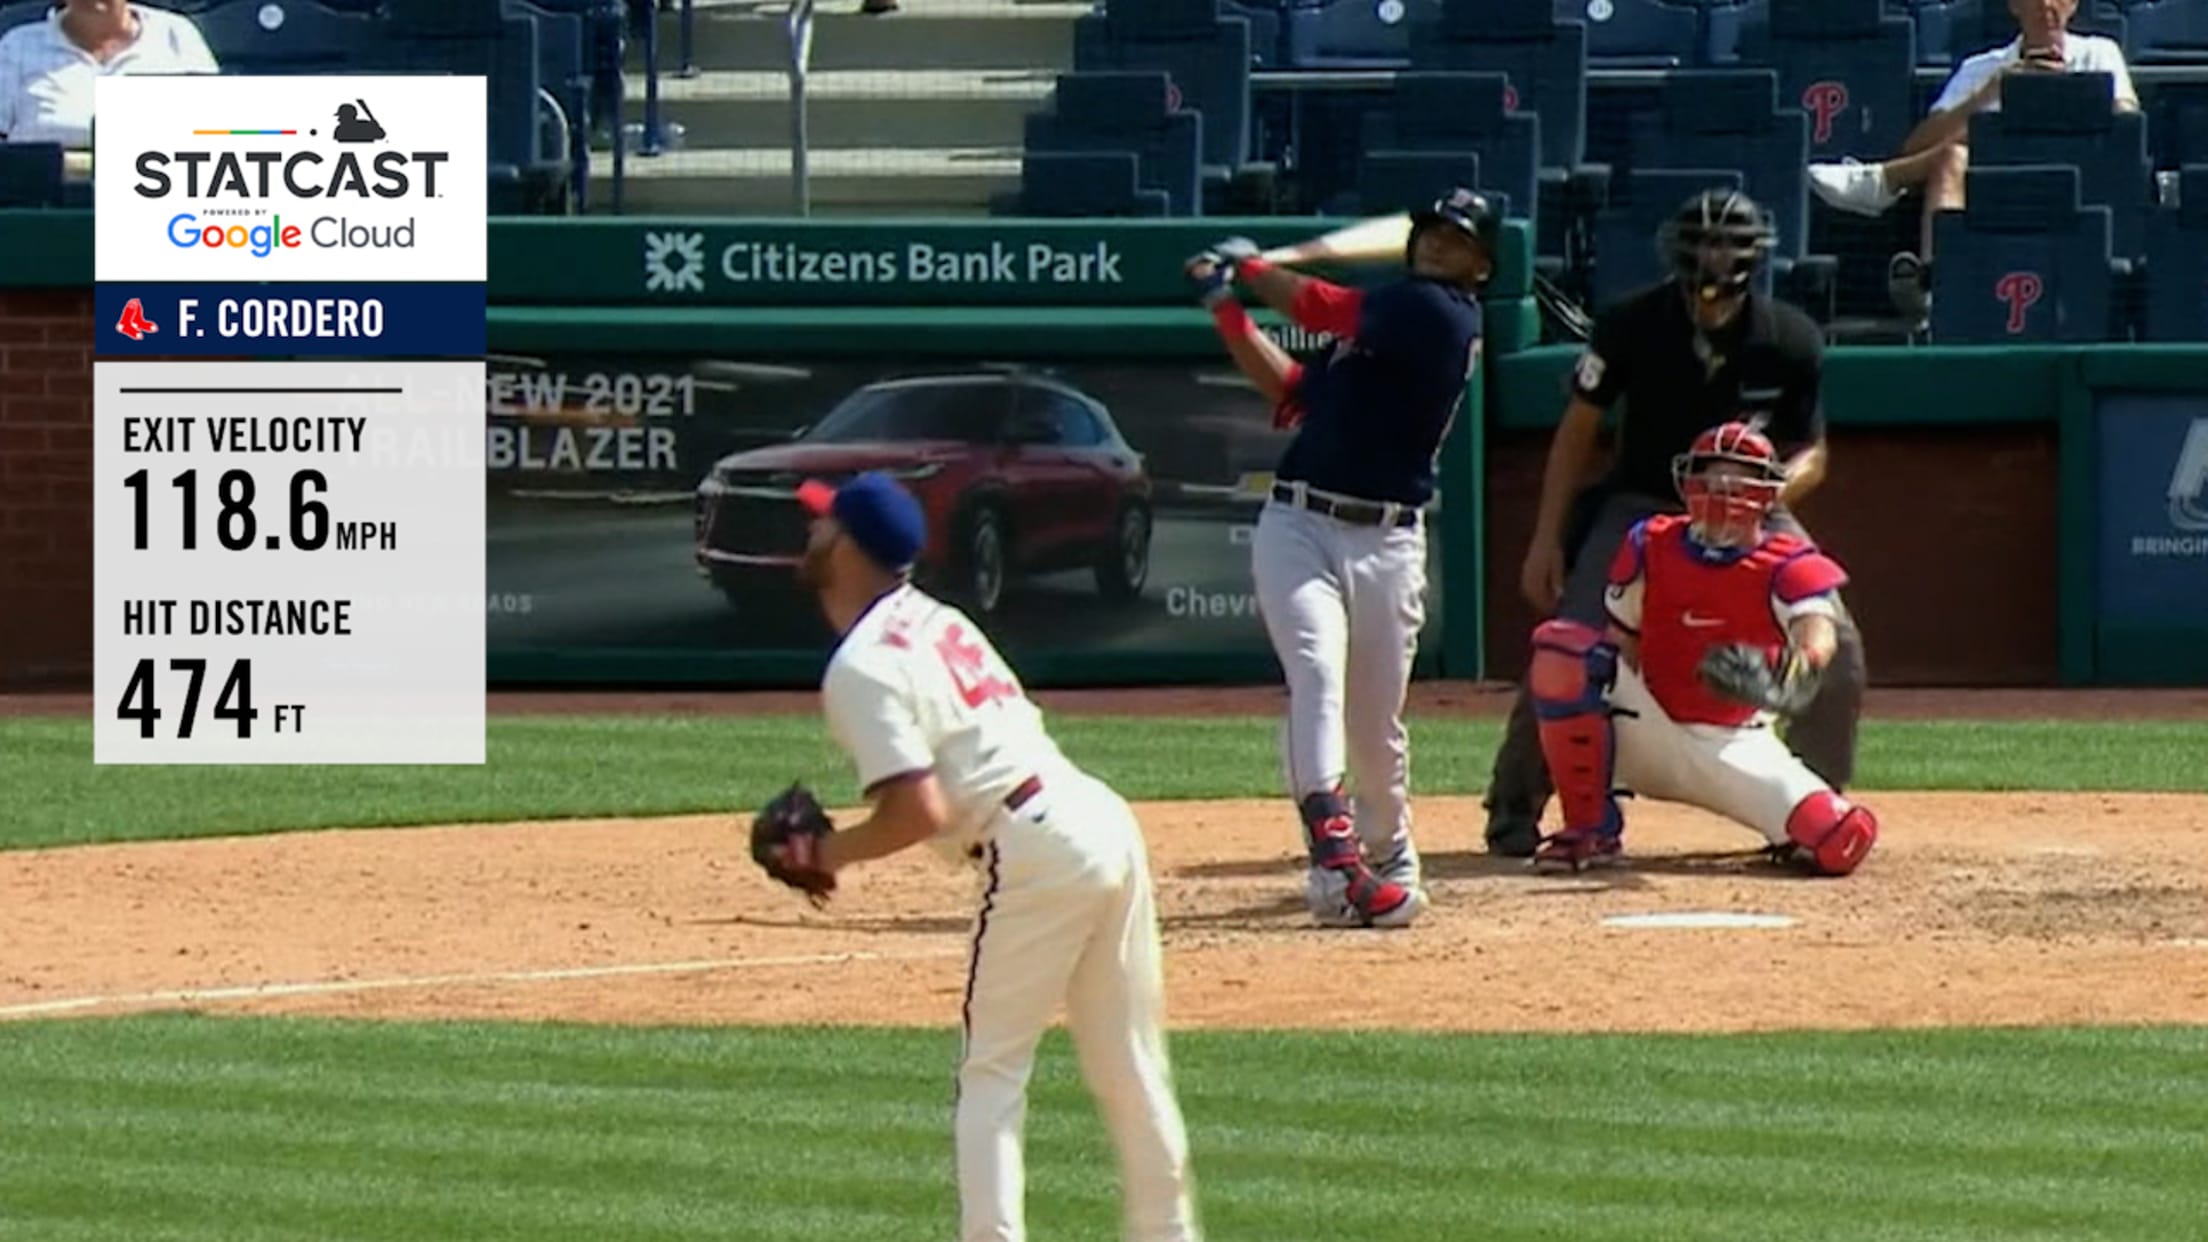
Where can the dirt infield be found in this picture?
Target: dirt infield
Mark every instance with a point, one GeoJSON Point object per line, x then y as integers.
{"type": "Point", "coordinates": [1976, 909]}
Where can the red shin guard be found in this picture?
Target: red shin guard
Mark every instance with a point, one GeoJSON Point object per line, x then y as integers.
{"type": "Point", "coordinates": [1835, 832]}
{"type": "Point", "coordinates": [1569, 679]}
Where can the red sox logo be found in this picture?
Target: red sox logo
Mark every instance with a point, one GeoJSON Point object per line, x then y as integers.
{"type": "Point", "coordinates": [1510, 97]}
{"type": "Point", "coordinates": [2022, 291]}
{"type": "Point", "coordinates": [1172, 95]}
{"type": "Point", "coordinates": [1824, 101]}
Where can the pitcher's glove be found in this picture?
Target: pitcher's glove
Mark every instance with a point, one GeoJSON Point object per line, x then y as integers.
{"type": "Point", "coordinates": [1744, 673]}
{"type": "Point", "coordinates": [786, 839]}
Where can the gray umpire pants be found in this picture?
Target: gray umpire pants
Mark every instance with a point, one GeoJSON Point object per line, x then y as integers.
{"type": "Point", "coordinates": [1822, 736]}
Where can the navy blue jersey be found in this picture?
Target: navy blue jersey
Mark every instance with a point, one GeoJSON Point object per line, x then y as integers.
{"type": "Point", "coordinates": [1375, 409]}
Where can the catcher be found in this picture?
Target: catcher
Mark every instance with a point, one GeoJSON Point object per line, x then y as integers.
{"type": "Point", "coordinates": [1717, 626]}
{"type": "Point", "coordinates": [951, 752]}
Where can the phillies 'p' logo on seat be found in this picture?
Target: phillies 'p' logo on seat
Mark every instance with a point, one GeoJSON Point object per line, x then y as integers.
{"type": "Point", "coordinates": [1510, 97]}
{"type": "Point", "coordinates": [1823, 101]}
{"type": "Point", "coordinates": [2022, 291]}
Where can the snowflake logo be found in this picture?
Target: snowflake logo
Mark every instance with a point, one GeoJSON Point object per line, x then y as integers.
{"type": "Point", "coordinates": [674, 262]}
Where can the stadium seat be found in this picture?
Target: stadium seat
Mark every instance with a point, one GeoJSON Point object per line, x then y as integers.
{"type": "Point", "coordinates": [1127, 111]}
{"type": "Point", "coordinates": [1078, 184]}
{"type": "Point", "coordinates": [1349, 34]}
{"type": "Point", "coordinates": [444, 19]}
{"type": "Point", "coordinates": [1391, 181]}
{"type": "Point", "coordinates": [1949, 30]}
{"type": "Point", "coordinates": [2177, 123]}
{"type": "Point", "coordinates": [287, 36]}
{"type": "Point", "coordinates": [1543, 62]}
{"type": "Point", "coordinates": [1730, 118]}
{"type": "Point", "coordinates": [2067, 118]}
{"type": "Point", "coordinates": [1847, 64]}
{"type": "Point", "coordinates": [1207, 56]}
{"type": "Point", "coordinates": [30, 174]}
{"type": "Point", "coordinates": [2166, 32]}
{"type": "Point", "coordinates": [2177, 264]}
{"type": "Point", "coordinates": [1463, 112]}
{"type": "Point", "coordinates": [1636, 33]}
{"type": "Point", "coordinates": [2022, 261]}
{"type": "Point", "coordinates": [1625, 231]}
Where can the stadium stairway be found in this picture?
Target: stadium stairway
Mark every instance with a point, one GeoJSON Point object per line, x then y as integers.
{"type": "Point", "coordinates": [915, 111]}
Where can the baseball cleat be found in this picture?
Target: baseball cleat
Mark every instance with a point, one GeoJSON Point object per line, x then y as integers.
{"type": "Point", "coordinates": [1404, 869]}
{"type": "Point", "coordinates": [1355, 897]}
{"type": "Point", "coordinates": [1577, 849]}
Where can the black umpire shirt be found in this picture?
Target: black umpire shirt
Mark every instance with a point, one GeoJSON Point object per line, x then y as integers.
{"type": "Point", "coordinates": [1763, 365]}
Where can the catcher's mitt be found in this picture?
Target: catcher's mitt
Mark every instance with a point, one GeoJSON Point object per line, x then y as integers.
{"type": "Point", "coordinates": [1745, 674]}
{"type": "Point", "coordinates": [786, 839]}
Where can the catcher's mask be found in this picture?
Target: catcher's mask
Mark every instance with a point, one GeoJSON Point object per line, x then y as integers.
{"type": "Point", "coordinates": [1716, 243]}
{"type": "Point", "coordinates": [1468, 212]}
{"type": "Point", "coordinates": [1731, 478]}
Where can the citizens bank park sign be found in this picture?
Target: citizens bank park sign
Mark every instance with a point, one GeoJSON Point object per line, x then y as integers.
{"type": "Point", "coordinates": [332, 179]}
{"type": "Point", "coordinates": [770, 262]}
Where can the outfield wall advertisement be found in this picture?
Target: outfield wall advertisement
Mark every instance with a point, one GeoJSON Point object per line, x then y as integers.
{"type": "Point", "coordinates": [645, 503]}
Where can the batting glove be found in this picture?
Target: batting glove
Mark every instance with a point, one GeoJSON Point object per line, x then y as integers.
{"type": "Point", "coordinates": [1236, 250]}
{"type": "Point", "coordinates": [1212, 276]}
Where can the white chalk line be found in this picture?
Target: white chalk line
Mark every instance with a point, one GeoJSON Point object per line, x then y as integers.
{"type": "Point", "coordinates": [332, 987]}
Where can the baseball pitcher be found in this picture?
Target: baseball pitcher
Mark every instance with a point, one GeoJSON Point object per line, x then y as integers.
{"type": "Point", "coordinates": [1339, 555]}
{"type": "Point", "coordinates": [1718, 626]}
{"type": "Point", "coordinates": [951, 752]}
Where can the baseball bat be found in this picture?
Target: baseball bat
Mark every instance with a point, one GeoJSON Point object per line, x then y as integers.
{"type": "Point", "coordinates": [1376, 238]}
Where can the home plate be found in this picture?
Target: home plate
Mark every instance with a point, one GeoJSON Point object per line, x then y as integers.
{"type": "Point", "coordinates": [1698, 919]}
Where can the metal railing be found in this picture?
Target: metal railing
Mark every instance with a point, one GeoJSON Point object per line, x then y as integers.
{"type": "Point", "coordinates": [799, 26]}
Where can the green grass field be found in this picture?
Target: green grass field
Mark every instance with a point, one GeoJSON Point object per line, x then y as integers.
{"type": "Point", "coordinates": [227, 1131]}
{"type": "Point", "coordinates": [562, 767]}
{"type": "Point", "coordinates": [161, 1128]}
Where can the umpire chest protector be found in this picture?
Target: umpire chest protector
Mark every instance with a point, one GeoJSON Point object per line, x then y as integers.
{"type": "Point", "coordinates": [1678, 381]}
{"type": "Point", "coordinates": [1377, 406]}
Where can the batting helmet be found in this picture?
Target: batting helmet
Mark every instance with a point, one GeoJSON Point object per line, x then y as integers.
{"type": "Point", "coordinates": [1716, 242]}
{"type": "Point", "coordinates": [1467, 211]}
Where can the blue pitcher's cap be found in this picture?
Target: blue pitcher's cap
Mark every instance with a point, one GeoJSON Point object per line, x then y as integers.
{"type": "Point", "coordinates": [879, 515]}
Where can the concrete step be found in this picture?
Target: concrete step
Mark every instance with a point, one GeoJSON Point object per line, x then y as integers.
{"type": "Point", "coordinates": [880, 180]}
{"type": "Point", "coordinates": [848, 108]}
{"type": "Point", "coordinates": [932, 34]}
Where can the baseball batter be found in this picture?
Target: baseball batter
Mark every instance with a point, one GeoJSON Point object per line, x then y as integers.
{"type": "Point", "coordinates": [951, 752]}
{"type": "Point", "coordinates": [1717, 625]}
{"type": "Point", "coordinates": [1339, 555]}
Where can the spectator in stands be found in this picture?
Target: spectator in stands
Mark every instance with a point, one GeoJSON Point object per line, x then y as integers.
{"type": "Point", "coordinates": [1937, 152]}
{"type": "Point", "coordinates": [47, 68]}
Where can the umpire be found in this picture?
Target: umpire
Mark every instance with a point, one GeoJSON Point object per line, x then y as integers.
{"type": "Point", "coordinates": [1686, 355]}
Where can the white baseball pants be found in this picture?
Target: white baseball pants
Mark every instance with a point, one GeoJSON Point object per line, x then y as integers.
{"type": "Point", "coordinates": [1745, 774]}
{"type": "Point", "coordinates": [1344, 605]}
{"type": "Point", "coordinates": [1068, 915]}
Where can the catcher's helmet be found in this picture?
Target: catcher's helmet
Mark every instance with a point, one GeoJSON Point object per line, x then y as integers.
{"type": "Point", "coordinates": [1465, 210]}
{"type": "Point", "coordinates": [1727, 506]}
{"type": "Point", "coordinates": [1716, 242]}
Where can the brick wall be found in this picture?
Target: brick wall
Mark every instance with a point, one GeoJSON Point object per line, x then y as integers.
{"type": "Point", "coordinates": [45, 488]}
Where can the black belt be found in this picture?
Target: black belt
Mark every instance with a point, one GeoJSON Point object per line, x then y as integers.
{"type": "Point", "coordinates": [1021, 795]}
{"type": "Point", "coordinates": [1353, 512]}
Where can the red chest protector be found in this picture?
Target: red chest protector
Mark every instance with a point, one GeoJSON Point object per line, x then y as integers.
{"type": "Point", "coordinates": [1692, 601]}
